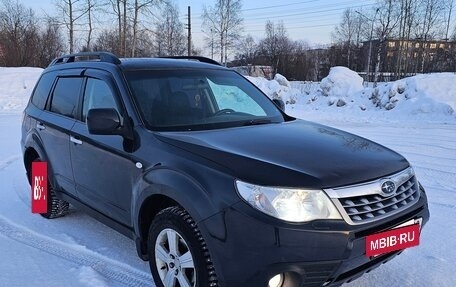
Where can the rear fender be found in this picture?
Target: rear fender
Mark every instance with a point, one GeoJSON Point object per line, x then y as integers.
{"type": "Point", "coordinates": [33, 141]}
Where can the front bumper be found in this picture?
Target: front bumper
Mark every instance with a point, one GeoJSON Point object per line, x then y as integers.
{"type": "Point", "coordinates": [248, 248]}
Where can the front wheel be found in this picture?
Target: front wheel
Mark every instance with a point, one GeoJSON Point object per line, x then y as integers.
{"type": "Point", "coordinates": [178, 255]}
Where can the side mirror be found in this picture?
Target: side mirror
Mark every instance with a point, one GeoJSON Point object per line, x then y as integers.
{"type": "Point", "coordinates": [103, 122]}
{"type": "Point", "coordinates": [279, 103]}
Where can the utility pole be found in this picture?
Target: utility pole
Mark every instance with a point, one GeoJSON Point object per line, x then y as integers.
{"type": "Point", "coordinates": [189, 29]}
{"type": "Point", "coordinates": [212, 44]}
{"type": "Point", "coordinates": [450, 8]}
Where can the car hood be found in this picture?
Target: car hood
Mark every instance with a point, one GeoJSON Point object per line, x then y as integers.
{"type": "Point", "coordinates": [291, 154]}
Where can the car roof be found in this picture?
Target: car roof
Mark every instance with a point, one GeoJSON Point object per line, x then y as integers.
{"type": "Point", "coordinates": [164, 63]}
{"type": "Point", "coordinates": [106, 59]}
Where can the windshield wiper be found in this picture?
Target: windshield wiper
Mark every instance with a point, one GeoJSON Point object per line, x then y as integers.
{"type": "Point", "coordinates": [257, 122]}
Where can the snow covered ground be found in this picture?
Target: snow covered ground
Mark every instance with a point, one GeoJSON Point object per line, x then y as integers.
{"type": "Point", "coordinates": [76, 250]}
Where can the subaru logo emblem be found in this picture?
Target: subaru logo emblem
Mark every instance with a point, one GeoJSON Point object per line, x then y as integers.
{"type": "Point", "coordinates": [388, 187]}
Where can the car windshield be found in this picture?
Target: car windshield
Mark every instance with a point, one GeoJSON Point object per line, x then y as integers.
{"type": "Point", "coordinates": [199, 99]}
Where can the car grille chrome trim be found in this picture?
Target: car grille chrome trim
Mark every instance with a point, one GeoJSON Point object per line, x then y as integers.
{"type": "Point", "coordinates": [364, 203]}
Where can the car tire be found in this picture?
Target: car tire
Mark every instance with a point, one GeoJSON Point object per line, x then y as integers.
{"type": "Point", "coordinates": [187, 263]}
{"type": "Point", "coordinates": [55, 207]}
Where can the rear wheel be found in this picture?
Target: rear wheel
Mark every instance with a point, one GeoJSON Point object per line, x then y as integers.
{"type": "Point", "coordinates": [55, 207]}
{"type": "Point", "coordinates": [178, 256]}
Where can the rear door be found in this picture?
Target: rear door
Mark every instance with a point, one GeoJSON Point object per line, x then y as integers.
{"type": "Point", "coordinates": [54, 126]}
{"type": "Point", "coordinates": [103, 170]}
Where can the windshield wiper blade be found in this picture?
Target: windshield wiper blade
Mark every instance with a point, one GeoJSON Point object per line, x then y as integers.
{"type": "Point", "coordinates": [257, 122]}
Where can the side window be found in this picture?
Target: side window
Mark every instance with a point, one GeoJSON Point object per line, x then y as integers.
{"type": "Point", "coordinates": [97, 95]}
{"type": "Point", "coordinates": [42, 90]}
{"type": "Point", "coordinates": [65, 97]}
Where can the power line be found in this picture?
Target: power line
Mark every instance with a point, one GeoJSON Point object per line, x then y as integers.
{"type": "Point", "coordinates": [275, 6]}
{"type": "Point", "coordinates": [343, 5]}
{"type": "Point", "coordinates": [303, 13]}
{"type": "Point", "coordinates": [296, 3]}
{"type": "Point", "coordinates": [308, 13]}
{"type": "Point", "coordinates": [296, 18]}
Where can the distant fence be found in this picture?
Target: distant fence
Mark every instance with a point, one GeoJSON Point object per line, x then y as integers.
{"type": "Point", "coordinates": [385, 76]}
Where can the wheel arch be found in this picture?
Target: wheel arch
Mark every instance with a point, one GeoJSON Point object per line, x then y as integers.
{"type": "Point", "coordinates": [165, 188]}
{"type": "Point", "coordinates": [33, 149]}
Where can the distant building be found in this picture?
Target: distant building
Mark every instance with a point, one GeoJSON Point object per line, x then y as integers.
{"type": "Point", "coordinates": [401, 58]}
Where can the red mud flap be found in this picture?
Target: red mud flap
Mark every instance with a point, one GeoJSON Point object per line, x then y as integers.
{"type": "Point", "coordinates": [39, 187]}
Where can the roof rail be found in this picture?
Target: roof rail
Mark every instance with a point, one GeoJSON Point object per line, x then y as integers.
{"type": "Point", "coordinates": [102, 56]}
{"type": "Point", "coordinates": [195, 58]}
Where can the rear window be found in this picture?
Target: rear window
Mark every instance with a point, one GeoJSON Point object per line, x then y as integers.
{"type": "Point", "coordinates": [42, 90]}
{"type": "Point", "coordinates": [65, 97]}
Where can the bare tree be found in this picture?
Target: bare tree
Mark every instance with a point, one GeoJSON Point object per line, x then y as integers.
{"type": "Point", "coordinates": [142, 7]}
{"type": "Point", "coordinates": [347, 31]}
{"type": "Point", "coordinates": [19, 34]}
{"type": "Point", "coordinates": [131, 21]}
{"type": "Point", "coordinates": [449, 8]}
{"type": "Point", "coordinates": [170, 38]}
{"type": "Point", "coordinates": [247, 50]}
{"type": "Point", "coordinates": [224, 18]}
{"type": "Point", "coordinates": [275, 45]}
{"type": "Point", "coordinates": [91, 4]}
{"type": "Point", "coordinates": [433, 12]}
{"type": "Point", "coordinates": [72, 11]}
{"type": "Point", "coordinates": [51, 44]}
{"type": "Point", "coordinates": [407, 27]}
{"type": "Point", "coordinates": [119, 10]}
{"type": "Point", "coordinates": [107, 40]}
{"type": "Point", "coordinates": [388, 19]}
{"type": "Point", "coordinates": [25, 40]}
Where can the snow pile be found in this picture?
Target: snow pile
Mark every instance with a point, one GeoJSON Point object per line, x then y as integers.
{"type": "Point", "coordinates": [16, 85]}
{"type": "Point", "coordinates": [278, 88]}
{"type": "Point", "coordinates": [342, 96]}
{"type": "Point", "coordinates": [340, 84]}
{"type": "Point", "coordinates": [282, 80]}
{"type": "Point", "coordinates": [432, 94]}
{"type": "Point", "coordinates": [428, 93]}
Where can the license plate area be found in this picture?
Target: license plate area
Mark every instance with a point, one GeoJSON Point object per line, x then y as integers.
{"type": "Point", "coordinates": [400, 237]}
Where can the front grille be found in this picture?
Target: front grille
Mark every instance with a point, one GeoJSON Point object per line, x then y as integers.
{"type": "Point", "coordinates": [366, 208]}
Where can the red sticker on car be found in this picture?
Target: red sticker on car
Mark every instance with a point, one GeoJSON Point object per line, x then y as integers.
{"type": "Point", "coordinates": [39, 187]}
{"type": "Point", "coordinates": [392, 240]}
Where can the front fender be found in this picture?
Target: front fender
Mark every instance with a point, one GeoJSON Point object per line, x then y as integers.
{"type": "Point", "coordinates": [178, 186]}
{"type": "Point", "coordinates": [206, 193]}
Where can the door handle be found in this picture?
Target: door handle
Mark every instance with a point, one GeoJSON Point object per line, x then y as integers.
{"type": "Point", "coordinates": [40, 126]}
{"type": "Point", "coordinates": [75, 140]}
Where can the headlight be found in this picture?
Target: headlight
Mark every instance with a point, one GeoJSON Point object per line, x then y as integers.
{"type": "Point", "coordinates": [295, 205]}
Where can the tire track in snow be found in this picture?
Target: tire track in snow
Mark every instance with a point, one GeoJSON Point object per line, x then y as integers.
{"type": "Point", "coordinates": [23, 190]}
{"type": "Point", "coordinates": [108, 268]}
{"type": "Point", "coordinates": [7, 162]}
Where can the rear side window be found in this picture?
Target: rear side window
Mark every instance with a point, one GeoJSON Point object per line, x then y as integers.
{"type": "Point", "coordinates": [42, 90]}
{"type": "Point", "coordinates": [65, 97]}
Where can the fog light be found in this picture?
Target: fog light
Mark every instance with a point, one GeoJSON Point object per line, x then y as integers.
{"type": "Point", "coordinates": [276, 281]}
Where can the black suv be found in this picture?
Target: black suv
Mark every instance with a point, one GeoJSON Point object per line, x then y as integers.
{"type": "Point", "coordinates": [213, 181]}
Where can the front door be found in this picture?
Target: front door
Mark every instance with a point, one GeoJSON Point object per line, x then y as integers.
{"type": "Point", "coordinates": [103, 171]}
